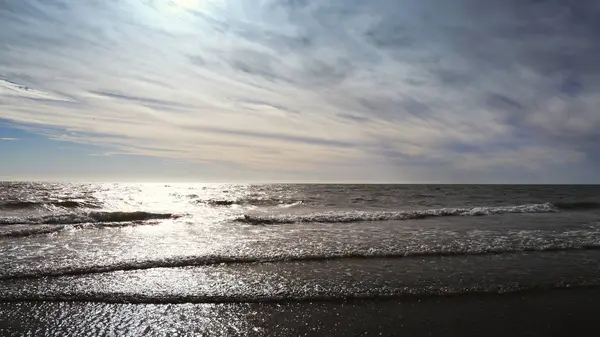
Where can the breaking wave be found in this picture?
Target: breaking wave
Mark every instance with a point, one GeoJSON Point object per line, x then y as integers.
{"type": "Point", "coordinates": [356, 216]}
{"type": "Point", "coordinates": [197, 261]}
{"type": "Point", "coordinates": [89, 217]}
{"type": "Point", "coordinates": [24, 232]}
{"type": "Point", "coordinates": [51, 229]}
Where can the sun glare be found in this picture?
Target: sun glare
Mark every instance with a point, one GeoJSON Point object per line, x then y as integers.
{"type": "Point", "coordinates": [187, 4]}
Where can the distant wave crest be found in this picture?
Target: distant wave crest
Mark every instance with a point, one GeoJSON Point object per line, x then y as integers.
{"type": "Point", "coordinates": [355, 216]}
{"type": "Point", "coordinates": [23, 204]}
{"type": "Point", "coordinates": [252, 202]}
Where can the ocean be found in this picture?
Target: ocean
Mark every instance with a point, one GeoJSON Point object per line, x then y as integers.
{"type": "Point", "coordinates": [293, 259]}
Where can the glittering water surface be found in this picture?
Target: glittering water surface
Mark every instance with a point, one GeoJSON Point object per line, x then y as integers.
{"type": "Point", "coordinates": [180, 243]}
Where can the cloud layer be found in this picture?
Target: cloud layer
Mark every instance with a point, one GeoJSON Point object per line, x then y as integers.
{"type": "Point", "coordinates": [411, 90]}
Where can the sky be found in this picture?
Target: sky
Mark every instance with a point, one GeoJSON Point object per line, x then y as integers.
{"type": "Point", "coordinates": [404, 91]}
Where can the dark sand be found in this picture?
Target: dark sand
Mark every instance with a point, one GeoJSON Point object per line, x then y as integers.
{"type": "Point", "coordinates": [571, 312]}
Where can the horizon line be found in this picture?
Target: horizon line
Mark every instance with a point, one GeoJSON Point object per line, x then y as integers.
{"type": "Point", "coordinates": [4, 180]}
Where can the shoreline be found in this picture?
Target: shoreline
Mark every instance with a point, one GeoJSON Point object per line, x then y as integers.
{"type": "Point", "coordinates": [542, 313]}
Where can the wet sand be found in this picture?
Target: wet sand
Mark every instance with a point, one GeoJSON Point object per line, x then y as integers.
{"type": "Point", "coordinates": [570, 312]}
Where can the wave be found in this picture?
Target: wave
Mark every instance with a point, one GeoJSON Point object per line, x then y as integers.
{"type": "Point", "coordinates": [208, 260]}
{"type": "Point", "coordinates": [578, 205]}
{"type": "Point", "coordinates": [252, 202]}
{"type": "Point", "coordinates": [356, 216]}
{"type": "Point", "coordinates": [87, 217]}
{"type": "Point", "coordinates": [24, 232]}
{"type": "Point", "coordinates": [51, 229]}
{"type": "Point", "coordinates": [20, 204]}
{"type": "Point", "coordinates": [385, 293]}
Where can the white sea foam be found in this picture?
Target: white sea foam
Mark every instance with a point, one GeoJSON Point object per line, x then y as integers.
{"type": "Point", "coordinates": [359, 216]}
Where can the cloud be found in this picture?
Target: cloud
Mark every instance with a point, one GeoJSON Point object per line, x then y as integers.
{"type": "Point", "coordinates": [10, 89]}
{"type": "Point", "coordinates": [8, 139]}
{"type": "Point", "coordinates": [381, 88]}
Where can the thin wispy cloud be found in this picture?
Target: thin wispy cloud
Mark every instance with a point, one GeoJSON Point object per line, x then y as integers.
{"type": "Point", "coordinates": [10, 89]}
{"type": "Point", "coordinates": [405, 90]}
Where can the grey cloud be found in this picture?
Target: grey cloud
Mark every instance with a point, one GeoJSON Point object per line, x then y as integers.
{"type": "Point", "coordinates": [277, 40]}
{"type": "Point", "coordinates": [253, 64]}
{"type": "Point", "coordinates": [148, 101]}
{"type": "Point", "coordinates": [273, 136]}
{"type": "Point", "coordinates": [258, 64]}
{"type": "Point", "coordinates": [21, 11]}
{"type": "Point", "coordinates": [502, 102]}
{"type": "Point", "coordinates": [354, 118]}
{"type": "Point", "coordinates": [197, 60]}
{"type": "Point", "coordinates": [453, 77]}
{"type": "Point", "coordinates": [327, 72]}
{"type": "Point", "coordinates": [390, 34]}
{"type": "Point", "coordinates": [556, 41]}
{"type": "Point", "coordinates": [546, 36]}
{"type": "Point", "coordinates": [396, 108]}
{"type": "Point", "coordinates": [259, 103]}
